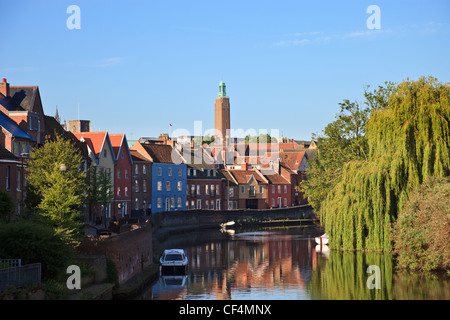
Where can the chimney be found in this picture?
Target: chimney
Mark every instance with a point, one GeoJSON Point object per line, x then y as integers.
{"type": "Point", "coordinates": [276, 165]}
{"type": "Point", "coordinates": [4, 87]}
{"type": "Point", "coordinates": [244, 166]}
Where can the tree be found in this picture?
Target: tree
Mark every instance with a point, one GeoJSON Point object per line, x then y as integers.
{"type": "Point", "coordinates": [57, 182]}
{"type": "Point", "coordinates": [100, 190]}
{"type": "Point", "coordinates": [408, 140]}
{"type": "Point", "coordinates": [6, 206]}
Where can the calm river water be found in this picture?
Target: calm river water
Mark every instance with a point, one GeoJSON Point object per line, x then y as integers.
{"type": "Point", "coordinates": [284, 263]}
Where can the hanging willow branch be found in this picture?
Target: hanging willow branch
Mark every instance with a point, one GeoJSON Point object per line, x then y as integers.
{"type": "Point", "coordinates": [409, 140]}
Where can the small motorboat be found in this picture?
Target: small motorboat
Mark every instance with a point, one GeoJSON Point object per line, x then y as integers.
{"type": "Point", "coordinates": [323, 239]}
{"type": "Point", "coordinates": [173, 260]}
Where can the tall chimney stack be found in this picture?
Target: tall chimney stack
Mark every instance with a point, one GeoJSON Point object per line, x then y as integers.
{"type": "Point", "coordinates": [4, 87]}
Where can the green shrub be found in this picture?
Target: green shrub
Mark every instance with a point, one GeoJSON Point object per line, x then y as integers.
{"type": "Point", "coordinates": [422, 230]}
{"type": "Point", "coordinates": [34, 243]}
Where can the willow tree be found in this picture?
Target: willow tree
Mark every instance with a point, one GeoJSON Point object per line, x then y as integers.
{"type": "Point", "coordinates": [408, 141]}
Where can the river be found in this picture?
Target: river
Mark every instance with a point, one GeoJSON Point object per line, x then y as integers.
{"type": "Point", "coordinates": [286, 264]}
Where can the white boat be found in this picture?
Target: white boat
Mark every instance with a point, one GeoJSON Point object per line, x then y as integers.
{"type": "Point", "coordinates": [323, 239]}
{"type": "Point", "coordinates": [175, 259]}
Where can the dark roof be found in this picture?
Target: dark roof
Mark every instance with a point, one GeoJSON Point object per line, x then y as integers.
{"type": "Point", "coordinates": [160, 153]}
{"type": "Point", "coordinates": [136, 156]}
{"type": "Point", "coordinates": [5, 154]}
{"type": "Point", "coordinates": [12, 127]}
{"type": "Point", "coordinates": [24, 96]}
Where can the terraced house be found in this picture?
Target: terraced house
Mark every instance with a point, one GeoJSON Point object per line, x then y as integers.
{"type": "Point", "coordinates": [168, 190]}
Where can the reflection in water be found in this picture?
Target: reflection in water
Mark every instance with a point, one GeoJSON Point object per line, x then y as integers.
{"type": "Point", "coordinates": [286, 265]}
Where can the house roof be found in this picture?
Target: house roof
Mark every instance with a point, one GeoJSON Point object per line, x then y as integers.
{"type": "Point", "coordinates": [137, 156]}
{"type": "Point", "coordinates": [227, 175]}
{"type": "Point", "coordinates": [12, 127]}
{"type": "Point", "coordinates": [274, 177]}
{"type": "Point", "coordinates": [94, 140]}
{"type": "Point", "coordinates": [244, 176]}
{"type": "Point", "coordinates": [24, 96]}
{"type": "Point", "coordinates": [161, 153]}
{"type": "Point", "coordinates": [5, 154]}
{"type": "Point", "coordinates": [292, 159]}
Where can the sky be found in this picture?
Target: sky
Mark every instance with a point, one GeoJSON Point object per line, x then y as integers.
{"type": "Point", "coordinates": [137, 66]}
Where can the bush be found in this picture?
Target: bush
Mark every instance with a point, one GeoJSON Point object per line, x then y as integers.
{"type": "Point", "coordinates": [34, 243]}
{"type": "Point", "coordinates": [422, 230]}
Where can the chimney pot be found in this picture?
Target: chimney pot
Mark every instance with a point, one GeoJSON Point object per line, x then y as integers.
{"type": "Point", "coordinates": [4, 80]}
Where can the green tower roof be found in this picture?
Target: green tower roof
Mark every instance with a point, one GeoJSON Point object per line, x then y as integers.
{"type": "Point", "coordinates": [222, 89]}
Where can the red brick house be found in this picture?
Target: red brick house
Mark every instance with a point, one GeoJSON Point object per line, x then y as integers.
{"type": "Point", "coordinates": [141, 184]}
{"type": "Point", "coordinates": [278, 191]}
{"type": "Point", "coordinates": [11, 178]}
{"type": "Point", "coordinates": [122, 176]}
{"type": "Point", "coordinates": [23, 104]}
{"type": "Point", "coordinates": [252, 188]}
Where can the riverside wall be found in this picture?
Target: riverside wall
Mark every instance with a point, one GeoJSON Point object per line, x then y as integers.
{"type": "Point", "coordinates": [211, 218]}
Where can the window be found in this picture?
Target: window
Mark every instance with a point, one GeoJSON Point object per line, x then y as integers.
{"type": "Point", "coordinates": [212, 204]}
{"type": "Point", "coordinates": [169, 172]}
{"type": "Point", "coordinates": [179, 172]}
{"type": "Point", "coordinates": [242, 189]}
{"type": "Point", "coordinates": [231, 192]}
{"type": "Point", "coordinates": [144, 185]}
{"type": "Point", "coordinates": [198, 190]}
{"type": "Point", "coordinates": [285, 202]}
{"type": "Point", "coordinates": [192, 204]}
{"type": "Point", "coordinates": [119, 193]}
{"type": "Point", "coordinates": [261, 190]}
{"type": "Point", "coordinates": [207, 189]}
{"type": "Point", "coordinates": [285, 188]}
{"type": "Point", "coordinates": [136, 185]}
{"type": "Point", "coordinates": [279, 189]}
{"type": "Point", "coordinates": [252, 191]}
{"type": "Point", "coordinates": [126, 173]}
{"type": "Point", "coordinates": [179, 202]}
{"type": "Point", "coordinates": [8, 177]}
{"type": "Point", "coordinates": [273, 189]}
{"type": "Point", "coordinates": [172, 202]}
{"type": "Point", "coordinates": [119, 174]}
{"type": "Point", "coordinates": [136, 204]}
{"type": "Point", "coordinates": [136, 169]}
{"type": "Point", "coordinates": [167, 185]}
{"type": "Point", "coordinates": [213, 190]}
{"type": "Point", "coordinates": [195, 172]}
{"type": "Point", "coordinates": [217, 190]}
{"type": "Point", "coordinates": [218, 204]}
{"type": "Point", "coordinates": [144, 169]}
{"type": "Point", "coordinates": [179, 186]}
{"type": "Point", "coordinates": [273, 202]}
{"type": "Point", "coordinates": [159, 172]}
{"type": "Point", "coordinates": [159, 186]}
{"type": "Point", "coordinates": [193, 189]}
{"type": "Point", "coordinates": [159, 203]}
{"type": "Point", "coordinates": [18, 177]}
{"type": "Point", "coordinates": [207, 204]}
{"type": "Point", "coordinates": [122, 155]}
{"type": "Point", "coordinates": [126, 191]}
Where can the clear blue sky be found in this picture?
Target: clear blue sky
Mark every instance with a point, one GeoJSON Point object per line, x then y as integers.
{"type": "Point", "coordinates": [137, 66]}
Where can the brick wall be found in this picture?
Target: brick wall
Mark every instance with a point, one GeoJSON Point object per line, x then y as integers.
{"type": "Point", "coordinates": [130, 251]}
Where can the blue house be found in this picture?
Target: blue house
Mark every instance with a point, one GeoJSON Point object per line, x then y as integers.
{"type": "Point", "coordinates": [169, 180]}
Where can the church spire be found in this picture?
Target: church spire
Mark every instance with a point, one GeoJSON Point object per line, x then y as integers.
{"type": "Point", "coordinates": [57, 118]}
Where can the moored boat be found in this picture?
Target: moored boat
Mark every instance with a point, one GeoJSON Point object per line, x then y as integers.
{"type": "Point", "coordinates": [173, 260]}
{"type": "Point", "coordinates": [323, 239]}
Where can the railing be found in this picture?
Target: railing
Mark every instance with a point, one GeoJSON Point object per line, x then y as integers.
{"type": "Point", "coordinates": [10, 263]}
{"type": "Point", "coordinates": [20, 276]}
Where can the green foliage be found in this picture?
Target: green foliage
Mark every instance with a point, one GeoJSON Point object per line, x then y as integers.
{"type": "Point", "coordinates": [408, 141]}
{"type": "Point", "coordinates": [262, 138]}
{"type": "Point", "coordinates": [6, 206]}
{"type": "Point", "coordinates": [422, 230]}
{"type": "Point", "coordinates": [57, 186]}
{"type": "Point", "coordinates": [35, 243]}
{"type": "Point", "coordinates": [100, 188]}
